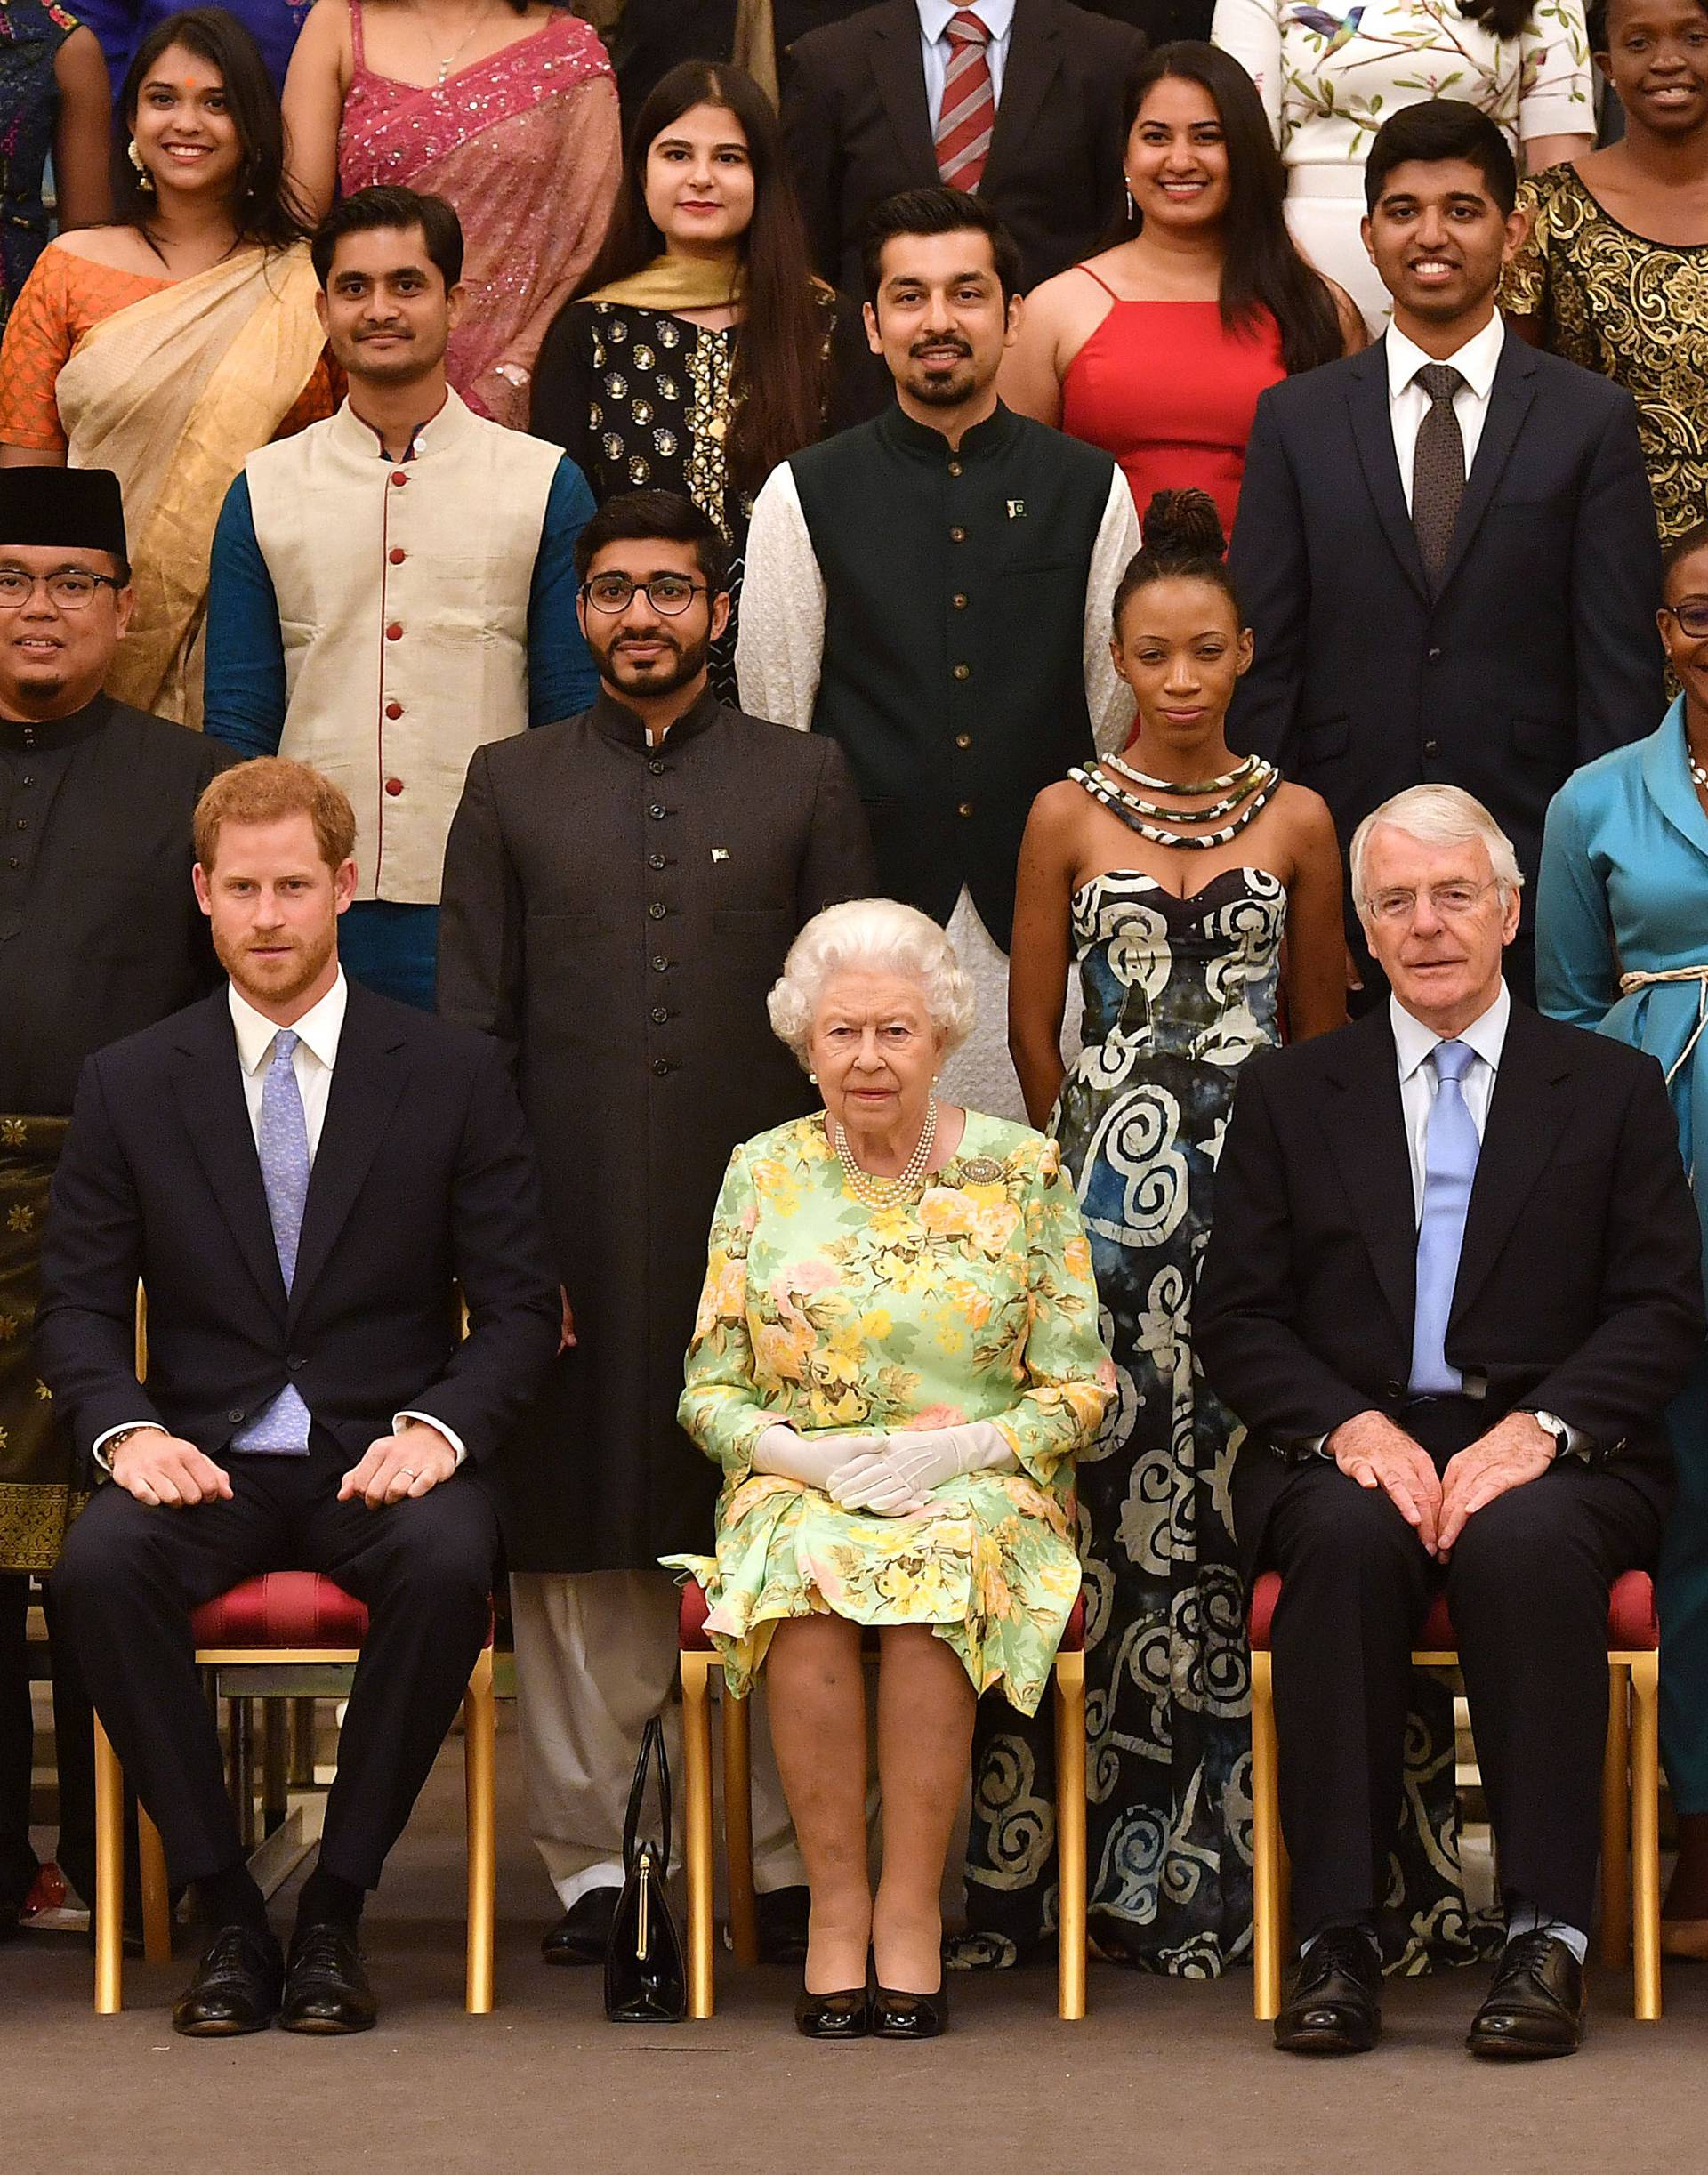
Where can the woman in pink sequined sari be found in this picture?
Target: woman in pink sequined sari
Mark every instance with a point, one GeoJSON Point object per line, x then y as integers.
{"type": "Point", "coordinates": [505, 108]}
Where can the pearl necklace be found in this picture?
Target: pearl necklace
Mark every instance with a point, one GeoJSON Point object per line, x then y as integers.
{"type": "Point", "coordinates": [887, 1192]}
{"type": "Point", "coordinates": [1241, 772]}
{"type": "Point", "coordinates": [1698, 775]}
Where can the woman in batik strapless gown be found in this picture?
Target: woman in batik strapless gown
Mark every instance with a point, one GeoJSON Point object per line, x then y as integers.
{"type": "Point", "coordinates": [1175, 872]}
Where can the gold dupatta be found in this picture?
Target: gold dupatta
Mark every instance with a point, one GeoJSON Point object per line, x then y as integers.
{"type": "Point", "coordinates": [673, 284]}
{"type": "Point", "coordinates": [173, 393]}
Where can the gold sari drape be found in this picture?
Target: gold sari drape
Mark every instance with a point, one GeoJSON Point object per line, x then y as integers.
{"type": "Point", "coordinates": [173, 393]}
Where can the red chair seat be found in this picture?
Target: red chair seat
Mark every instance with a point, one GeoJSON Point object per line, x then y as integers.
{"type": "Point", "coordinates": [1631, 1624]}
{"type": "Point", "coordinates": [693, 1637]}
{"type": "Point", "coordinates": [282, 1608]}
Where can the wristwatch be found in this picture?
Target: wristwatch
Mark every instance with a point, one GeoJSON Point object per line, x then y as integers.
{"type": "Point", "coordinates": [1556, 1427]}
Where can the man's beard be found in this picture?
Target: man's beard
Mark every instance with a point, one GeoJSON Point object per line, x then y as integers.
{"type": "Point", "coordinates": [657, 679]}
{"type": "Point", "coordinates": [312, 959]}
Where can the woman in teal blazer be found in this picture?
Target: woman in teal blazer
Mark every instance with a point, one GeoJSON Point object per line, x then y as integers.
{"type": "Point", "coordinates": [1621, 946]}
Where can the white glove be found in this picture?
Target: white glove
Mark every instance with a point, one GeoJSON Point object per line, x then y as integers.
{"type": "Point", "coordinates": [897, 1478]}
{"type": "Point", "coordinates": [792, 1457]}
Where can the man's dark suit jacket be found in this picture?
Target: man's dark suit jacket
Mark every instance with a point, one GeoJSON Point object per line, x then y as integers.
{"type": "Point", "coordinates": [1580, 1281]}
{"type": "Point", "coordinates": [423, 1178]}
{"type": "Point", "coordinates": [859, 127]}
{"type": "Point", "coordinates": [1536, 653]}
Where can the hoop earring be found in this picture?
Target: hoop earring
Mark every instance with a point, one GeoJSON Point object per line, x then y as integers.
{"type": "Point", "coordinates": [144, 179]}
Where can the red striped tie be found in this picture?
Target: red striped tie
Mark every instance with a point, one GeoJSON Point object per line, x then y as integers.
{"type": "Point", "coordinates": [969, 103]}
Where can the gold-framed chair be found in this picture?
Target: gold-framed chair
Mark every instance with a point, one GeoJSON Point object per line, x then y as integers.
{"type": "Point", "coordinates": [1631, 1846]}
{"type": "Point", "coordinates": [699, 1662]}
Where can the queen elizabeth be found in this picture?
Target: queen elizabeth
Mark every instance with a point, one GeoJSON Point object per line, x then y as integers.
{"type": "Point", "coordinates": [896, 1362]}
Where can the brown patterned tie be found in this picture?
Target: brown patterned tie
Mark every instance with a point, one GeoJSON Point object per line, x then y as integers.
{"type": "Point", "coordinates": [969, 109]}
{"type": "Point", "coordinates": [1438, 468]}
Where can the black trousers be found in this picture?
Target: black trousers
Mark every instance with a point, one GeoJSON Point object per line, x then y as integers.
{"type": "Point", "coordinates": [130, 1575]}
{"type": "Point", "coordinates": [1528, 1588]}
{"type": "Point", "coordinates": [73, 1737]}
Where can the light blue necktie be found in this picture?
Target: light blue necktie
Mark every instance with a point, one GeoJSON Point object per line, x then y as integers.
{"type": "Point", "coordinates": [1450, 1151]}
{"type": "Point", "coordinates": [282, 1428]}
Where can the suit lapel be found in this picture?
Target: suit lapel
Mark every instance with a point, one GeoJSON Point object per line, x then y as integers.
{"type": "Point", "coordinates": [208, 1082]}
{"type": "Point", "coordinates": [1527, 1114]}
{"type": "Point", "coordinates": [1033, 56]}
{"type": "Point", "coordinates": [898, 70]}
{"type": "Point", "coordinates": [1373, 431]}
{"type": "Point", "coordinates": [1509, 403]}
{"type": "Point", "coordinates": [367, 1081]}
{"type": "Point", "coordinates": [1364, 1126]}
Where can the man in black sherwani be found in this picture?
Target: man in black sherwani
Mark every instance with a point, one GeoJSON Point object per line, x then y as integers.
{"type": "Point", "coordinates": [620, 891]}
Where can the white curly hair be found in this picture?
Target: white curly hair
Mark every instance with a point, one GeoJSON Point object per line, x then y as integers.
{"type": "Point", "coordinates": [878, 936]}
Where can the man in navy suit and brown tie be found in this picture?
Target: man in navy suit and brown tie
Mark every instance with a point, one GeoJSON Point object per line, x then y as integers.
{"type": "Point", "coordinates": [303, 1174]}
{"type": "Point", "coordinates": [1446, 545]}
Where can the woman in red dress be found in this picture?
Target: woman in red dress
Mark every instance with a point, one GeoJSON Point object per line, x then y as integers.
{"type": "Point", "coordinates": [1158, 348]}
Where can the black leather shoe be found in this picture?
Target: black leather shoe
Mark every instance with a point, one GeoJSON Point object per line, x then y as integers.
{"type": "Point", "coordinates": [847, 2015]}
{"type": "Point", "coordinates": [910, 2016]}
{"type": "Point", "coordinates": [1335, 2004]}
{"type": "Point", "coordinates": [781, 1915]}
{"type": "Point", "coordinates": [1535, 2007]}
{"type": "Point", "coordinates": [235, 1988]}
{"type": "Point", "coordinates": [583, 1933]}
{"type": "Point", "coordinates": [326, 1988]}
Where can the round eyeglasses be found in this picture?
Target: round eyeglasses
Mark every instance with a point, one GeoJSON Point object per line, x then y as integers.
{"type": "Point", "coordinates": [669, 593]}
{"type": "Point", "coordinates": [71, 588]}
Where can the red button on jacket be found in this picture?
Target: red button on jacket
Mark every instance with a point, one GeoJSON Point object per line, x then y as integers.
{"type": "Point", "coordinates": [394, 787]}
{"type": "Point", "coordinates": [398, 554]}
{"type": "Point", "coordinates": [394, 633]}
{"type": "Point", "coordinates": [394, 710]}
{"type": "Point", "coordinates": [397, 476]}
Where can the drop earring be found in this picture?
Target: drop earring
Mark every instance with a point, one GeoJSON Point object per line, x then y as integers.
{"type": "Point", "coordinates": [144, 179]}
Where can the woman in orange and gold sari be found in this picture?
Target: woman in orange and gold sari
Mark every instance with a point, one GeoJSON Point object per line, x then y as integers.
{"type": "Point", "coordinates": [170, 344]}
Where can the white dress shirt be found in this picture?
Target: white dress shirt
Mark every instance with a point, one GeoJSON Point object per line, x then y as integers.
{"type": "Point", "coordinates": [997, 17]}
{"type": "Point", "coordinates": [317, 1034]}
{"type": "Point", "coordinates": [1408, 403]}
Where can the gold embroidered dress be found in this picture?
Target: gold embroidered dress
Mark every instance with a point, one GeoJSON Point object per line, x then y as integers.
{"type": "Point", "coordinates": [1634, 310]}
{"type": "Point", "coordinates": [976, 1302]}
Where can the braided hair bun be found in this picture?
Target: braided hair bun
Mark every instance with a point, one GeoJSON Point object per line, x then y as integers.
{"type": "Point", "coordinates": [1183, 539]}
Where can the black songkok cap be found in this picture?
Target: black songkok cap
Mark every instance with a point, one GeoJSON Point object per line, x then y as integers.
{"type": "Point", "coordinates": [78, 508]}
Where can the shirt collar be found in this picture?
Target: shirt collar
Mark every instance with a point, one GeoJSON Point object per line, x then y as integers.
{"type": "Point", "coordinates": [619, 723]}
{"type": "Point", "coordinates": [320, 1026]}
{"type": "Point", "coordinates": [996, 15]}
{"type": "Point", "coordinates": [428, 436]}
{"type": "Point", "coordinates": [997, 432]}
{"type": "Point", "coordinates": [23, 733]}
{"type": "Point", "coordinates": [1414, 1041]}
{"type": "Point", "coordinates": [1476, 362]}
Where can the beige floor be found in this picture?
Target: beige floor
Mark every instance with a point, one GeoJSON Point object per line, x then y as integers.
{"type": "Point", "coordinates": [1161, 2077]}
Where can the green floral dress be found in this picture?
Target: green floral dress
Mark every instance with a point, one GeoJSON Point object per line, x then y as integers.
{"type": "Point", "coordinates": [975, 1303]}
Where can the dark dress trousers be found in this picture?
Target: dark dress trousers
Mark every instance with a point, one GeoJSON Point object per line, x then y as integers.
{"type": "Point", "coordinates": [1534, 653]}
{"type": "Point", "coordinates": [1579, 1291]}
{"type": "Point", "coordinates": [616, 913]}
{"type": "Point", "coordinates": [423, 1180]}
{"type": "Point", "coordinates": [858, 126]}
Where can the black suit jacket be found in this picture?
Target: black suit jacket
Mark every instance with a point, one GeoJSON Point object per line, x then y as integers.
{"type": "Point", "coordinates": [1580, 1281]}
{"type": "Point", "coordinates": [1535, 653]}
{"type": "Point", "coordinates": [424, 1180]}
{"type": "Point", "coordinates": [858, 128]}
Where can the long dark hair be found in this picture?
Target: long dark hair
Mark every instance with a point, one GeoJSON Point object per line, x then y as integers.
{"type": "Point", "coordinates": [1261, 268]}
{"type": "Point", "coordinates": [264, 208]}
{"type": "Point", "coordinates": [780, 376]}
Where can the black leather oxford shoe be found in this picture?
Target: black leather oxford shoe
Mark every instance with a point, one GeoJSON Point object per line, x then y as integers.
{"type": "Point", "coordinates": [846, 2015]}
{"type": "Point", "coordinates": [1535, 2007]}
{"type": "Point", "coordinates": [235, 1988]}
{"type": "Point", "coordinates": [1335, 2004]}
{"type": "Point", "coordinates": [583, 1933]}
{"type": "Point", "coordinates": [896, 2014]}
{"type": "Point", "coordinates": [326, 1986]}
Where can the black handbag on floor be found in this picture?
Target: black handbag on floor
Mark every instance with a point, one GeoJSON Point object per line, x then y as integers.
{"type": "Point", "coordinates": [645, 1981]}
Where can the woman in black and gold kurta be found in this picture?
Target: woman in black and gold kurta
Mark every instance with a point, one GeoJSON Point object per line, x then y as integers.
{"type": "Point", "coordinates": [700, 351]}
{"type": "Point", "coordinates": [1613, 273]}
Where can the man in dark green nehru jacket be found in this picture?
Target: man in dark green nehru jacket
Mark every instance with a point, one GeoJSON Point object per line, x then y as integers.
{"type": "Point", "coordinates": [932, 589]}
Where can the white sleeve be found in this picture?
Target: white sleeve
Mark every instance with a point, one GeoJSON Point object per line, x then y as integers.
{"type": "Point", "coordinates": [780, 644]}
{"type": "Point", "coordinates": [458, 1448]}
{"type": "Point", "coordinates": [1109, 698]}
{"type": "Point", "coordinates": [1251, 31]}
{"type": "Point", "coordinates": [98, 1449]}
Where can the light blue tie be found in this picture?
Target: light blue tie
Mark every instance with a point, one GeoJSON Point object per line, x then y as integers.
{"type": "Point", "coordinates": [282, 1428]}
{"type": "Point", "coordinates": [1450, 1151]}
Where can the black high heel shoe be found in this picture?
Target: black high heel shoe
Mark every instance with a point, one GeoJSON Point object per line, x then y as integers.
{"type": "Point", "coordinates": [847, 2015]}
{"type": "Point", "coordinates": [896, 2014]}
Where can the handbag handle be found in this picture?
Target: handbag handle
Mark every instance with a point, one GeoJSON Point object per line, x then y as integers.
{"type": "Point", "coordinates": [652, 1749]}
